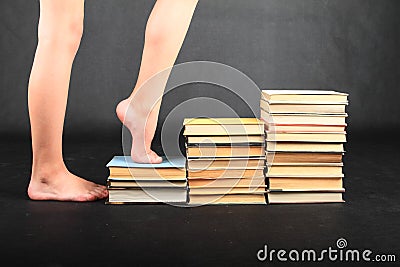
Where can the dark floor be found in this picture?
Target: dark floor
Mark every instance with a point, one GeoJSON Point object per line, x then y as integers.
{"type": "Point", "coordinates": [94, 234]}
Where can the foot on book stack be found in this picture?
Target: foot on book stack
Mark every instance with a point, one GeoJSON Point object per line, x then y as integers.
{"type": "Point", "coordinates": [225, 160]}
{"type": "Point", "coordinates": [305, 144]}
{"type": "Point", "coordinates": [142, 125]}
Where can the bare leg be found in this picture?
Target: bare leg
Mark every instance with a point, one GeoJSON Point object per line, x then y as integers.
{"type": "Point", "coordinates": [60, 31]}
{"type": "Point", "coordinates": [165, 32]}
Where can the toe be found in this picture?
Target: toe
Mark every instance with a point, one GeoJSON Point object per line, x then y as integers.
{"type": "Point", "coordinates": [102, 187]}
{"type": "Point", "coordinates": [104, 192]}
{"type": "Point", "coordinates": [154, 158]}
{"type": "Point", "coordinates": [91, 197]}
{"type": "Point", "coordinates": [99, 192]}
{"type": "Point", "coordinates": [86, 197]}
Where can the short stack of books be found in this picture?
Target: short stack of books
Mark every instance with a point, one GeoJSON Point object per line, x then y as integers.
{"type": "Point", "coordinates": [225, 160]}
{"type": "Point", "coordinates": [305, 145]}
{"type": "Point", "coordinates": [131, 182]}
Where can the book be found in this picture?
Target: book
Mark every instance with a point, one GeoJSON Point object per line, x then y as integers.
{"type": "Point", "coordinates": [307, 190]}
{"type": "Point", "coordinates": [231, 182]}
{"type": "Point", "coordinates": [126, 183]}
{"type": "Point", "coordinates": [304, 157]}
{"type": "Point", "coordinates": [148, 195]}
{"type": "Point", "coordinates": [231, 163]}
{"type": "Point", "coordinates": [293, 128]}
{"type": "Point", "coordinates": [167, 163]}
{"type": "Point", "coordinates": [170, 169]}
{"type": "Point", "coordinates": [226, 190]}
{"type": "Point", "coordinates": [223, 126]}
{"type": "Point", "coordinates": [310, 108]}
{"type": "Point", "coordinates": [305, 147]}
{"type": "Point", "coordinates": [228, 199]}
{"type": "Point", "coordinates": [298, 170]}
{"type": "Point", "coordinates": [233, 151]}
{"type": "Point", "coordinates": [304, 96]}
{"type": "Point", "coordinates": [305, 183]}
{"type": "Point", "coordinates": [147, 174]}
{"type": "Point", "coordinates": [305, 197]}
{"type": "Point", "coordinates": [233, 139]}
{"type": "Point", "coordinates": [307, 137]}
{"type": "Point", "coordinates": [304, 119]}
{"type": "Point", "coordinates": [223, 121]}
{"type": "Point", "coordinates": [225, 173]}
{"type": "Point", "coordinates": [322, 164]}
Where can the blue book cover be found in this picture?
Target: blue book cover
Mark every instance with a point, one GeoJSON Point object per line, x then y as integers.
{"type": "Point", "coordinates": [127, 162]}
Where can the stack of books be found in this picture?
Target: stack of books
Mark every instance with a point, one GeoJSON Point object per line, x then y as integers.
{"type": "Point", "coordinates": [305, 145]}
{"type": "Point", "coordinates": [225, 160]}
{"type": "Point", "coordinates": [131, 182]}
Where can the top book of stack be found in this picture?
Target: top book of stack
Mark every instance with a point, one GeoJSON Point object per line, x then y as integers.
{"type": "Point", "coordinates": [223, 127]}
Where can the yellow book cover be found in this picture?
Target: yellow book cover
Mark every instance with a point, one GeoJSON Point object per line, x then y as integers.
{"type": "Point", "coordinates": [224, 121]}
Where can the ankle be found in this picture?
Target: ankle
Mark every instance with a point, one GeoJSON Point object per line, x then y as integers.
{"type": "Point", "coordinates": [143, 103]}
{"type": "Point", "coordinates": [45, 171]}
{"type": "Point", "coordinates": [133, 115]}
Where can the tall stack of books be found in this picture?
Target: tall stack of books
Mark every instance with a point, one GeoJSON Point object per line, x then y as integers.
{"type": "Point", "coordinates": [225, 160]}
{"type": "Point", "coordinates": [305, 145]}
{"type": "Point", "coordinates": [131, 182]}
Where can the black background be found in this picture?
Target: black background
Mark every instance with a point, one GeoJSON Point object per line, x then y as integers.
{"type": "Point", "coordinates": [350, 46]}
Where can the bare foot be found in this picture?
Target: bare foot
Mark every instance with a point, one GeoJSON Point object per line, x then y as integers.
{"type": "Point", "coordinates": [142, 126]}
{"type": "Point", "coordinates": [64, 186]}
